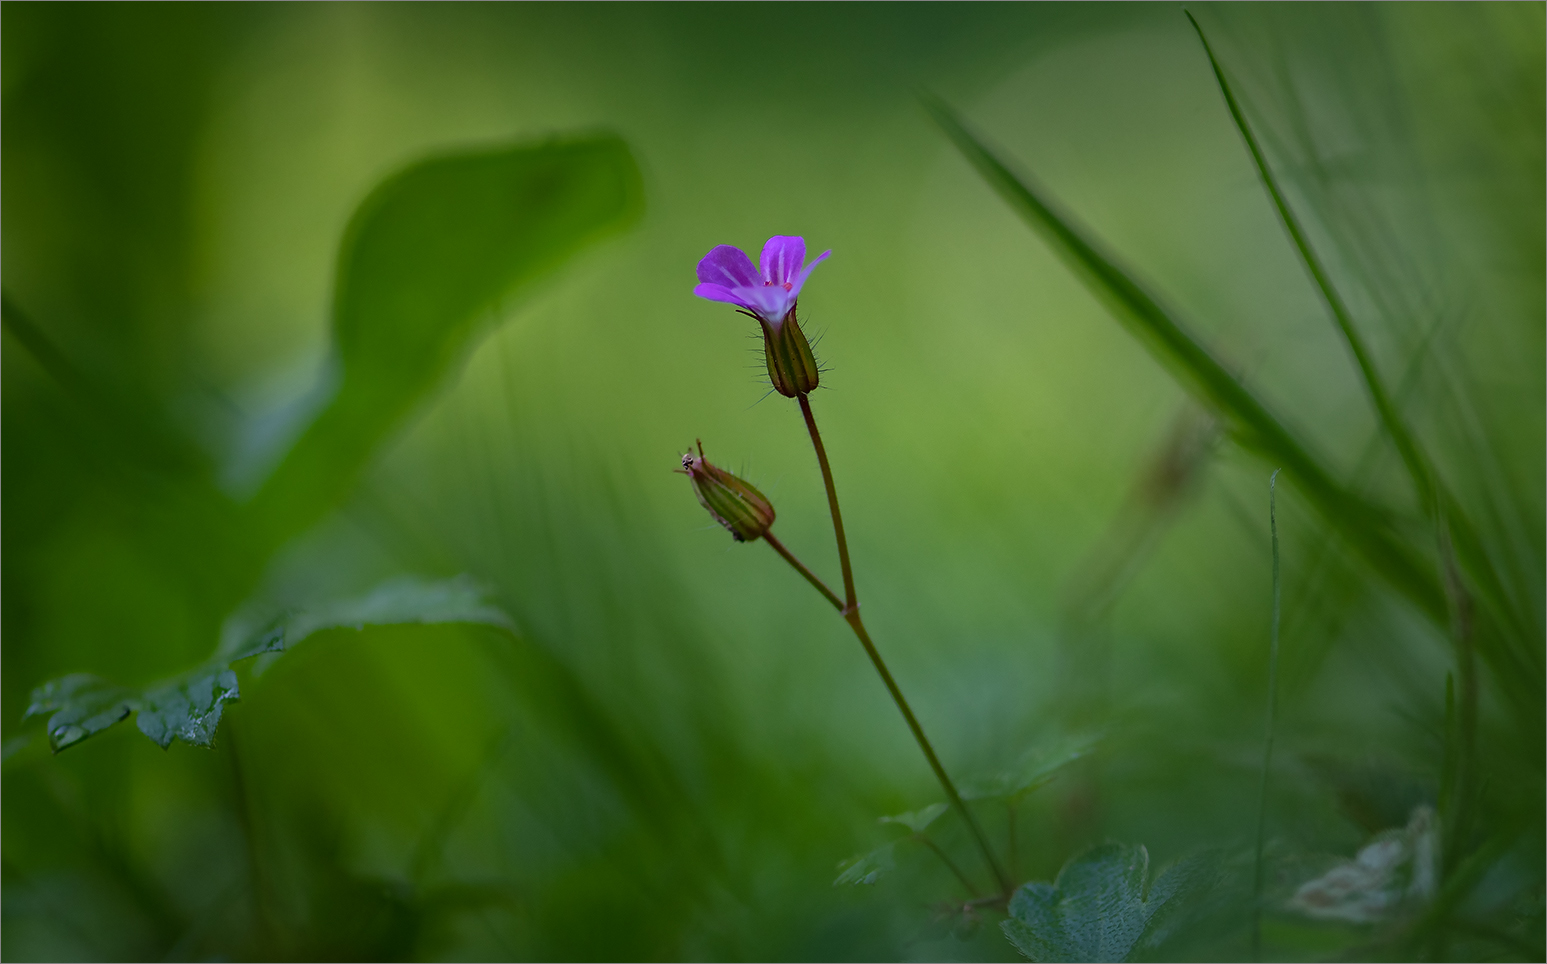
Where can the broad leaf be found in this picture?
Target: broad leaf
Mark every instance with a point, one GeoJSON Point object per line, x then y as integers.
{"type": "Point", "coordinates": [429, 255]}
{"type": "Point", "coordinates": [1098, 910]}
{"type": "Point", "coordinates": [188, 707]}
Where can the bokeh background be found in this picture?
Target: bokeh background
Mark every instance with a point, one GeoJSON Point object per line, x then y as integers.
{"type": "Point", "coordinates": [681, 743]}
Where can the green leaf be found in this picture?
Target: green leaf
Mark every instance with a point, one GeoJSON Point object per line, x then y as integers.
{"type": "Point", "coordinates": [1036, 769]}
{"type": "Point", "coordinates": [1097, 909]}
{"type": "Point", "coordinates": [188, 707]}
{"type": "Point", "coordinates": [918, 820]}
{"type": "Point", "coordinates": [83, 705]}
{"type": "Point", "coordinates": [430, 254]}
{"type": "Point", "coordinates": [867, 869]}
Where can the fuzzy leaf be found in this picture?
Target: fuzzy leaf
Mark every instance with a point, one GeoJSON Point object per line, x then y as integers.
{"type": "Point", "coordinates": [1097, 909]}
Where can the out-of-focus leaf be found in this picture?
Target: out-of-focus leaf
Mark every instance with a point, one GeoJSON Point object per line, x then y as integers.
{"type": "Point", "coordinates": [188, 708]}
{"type": "Point", "coordinates": [867, 869]}
{"type": "Point", "coordinates": [430, 254]}
{"type": "Point", "coordinates": [82, 704]}
{"type": "Point", "coordinates": [918, 820]}
{"type": "Point", "coordinates": [1098, 910]}
{"type": "Point", "coordinates": [1037, 768]}
{"type": "Point", "coordinates": [403, 600]}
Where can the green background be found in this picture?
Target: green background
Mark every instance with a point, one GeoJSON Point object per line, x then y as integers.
{"type": "Point", "coordinates": [682, 744]}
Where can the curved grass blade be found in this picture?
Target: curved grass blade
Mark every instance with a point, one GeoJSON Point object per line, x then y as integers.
{"type": "Point", "coordinates": [1427, 484]}
{"type": "Point", "coordinates": [1365, 525]}
{"type": "Point", "coordinates": [1362, 522]}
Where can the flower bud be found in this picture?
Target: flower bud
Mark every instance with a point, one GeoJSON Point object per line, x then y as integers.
{"type": "Point", "coordinates": [791, 366]}
{"type": "Point", "coordinates": [733, 502]}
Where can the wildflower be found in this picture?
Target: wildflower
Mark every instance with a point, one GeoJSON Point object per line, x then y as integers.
{"type": "Point", "coordinates": [734, 503]}
{"type": "Point", "coordinates": [727, 274]}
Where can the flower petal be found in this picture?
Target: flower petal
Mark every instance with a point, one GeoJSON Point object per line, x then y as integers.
{"type": "Point", "coordinates": [722, 293]}
{"type": "Point", "coordinates": [771, 302]}
{"type": "Point", "coordinates": [800, 279]}
{"type": "Point", "coordinates": [781, 258]}
{"type": "Point", "coordinates": [729, 267]}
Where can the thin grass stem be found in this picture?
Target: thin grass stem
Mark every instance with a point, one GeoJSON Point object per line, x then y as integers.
{"type": "Point", "coordinates": [1267, 749]}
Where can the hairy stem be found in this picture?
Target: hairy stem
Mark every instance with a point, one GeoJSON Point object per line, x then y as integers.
{"type": "Point", "coordinates": [1267, 750]}
{"type": "Point", "coordinates": [850, 602]}
{"type": "Point", "coordinates": [850, 613]}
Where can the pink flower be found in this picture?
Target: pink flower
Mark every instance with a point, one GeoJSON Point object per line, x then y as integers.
{"type": "Point", "coordinates": [727, 274]}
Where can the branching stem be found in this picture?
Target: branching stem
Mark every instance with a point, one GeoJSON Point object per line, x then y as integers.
{"type": "Point", "coordinates": [849, 609]}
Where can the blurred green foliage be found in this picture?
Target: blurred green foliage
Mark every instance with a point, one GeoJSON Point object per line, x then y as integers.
{"type": "Point", "coordinates": [309, 305]}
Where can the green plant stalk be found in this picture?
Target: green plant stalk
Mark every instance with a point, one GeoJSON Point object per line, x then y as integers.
{"type": "Point", "coordinates": [848, 608]}
{"type": "Point", "coordinates": [1460, 713]}
{"type": "Point", "coordinates": [1432, 495]}
{"type": "Point", "coordinates": [800, 567]}
{"type": "Point", "coordinates": [1267, 749]}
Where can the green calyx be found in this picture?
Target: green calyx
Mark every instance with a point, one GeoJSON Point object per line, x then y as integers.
{"type": "Point", "coordinates": [791, 366]}
{"type": "Point", "coordinates": [735, 503]}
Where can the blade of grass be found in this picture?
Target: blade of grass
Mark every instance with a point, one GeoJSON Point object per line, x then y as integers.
{"type": "Point", "coordinates": [1267, 749]}
{"type": "Point", "coordinates": [1365, 525]}
{"type": "Point", "coordinates": [1362, 522]}
{"type": "Point", "coordinates": [1407, 446]}
{"type": "Point", "coordinates": [1432, 494]}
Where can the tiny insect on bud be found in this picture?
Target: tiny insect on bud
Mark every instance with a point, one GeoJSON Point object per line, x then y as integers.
{"type": "Point", "coordinates": [734, 503]}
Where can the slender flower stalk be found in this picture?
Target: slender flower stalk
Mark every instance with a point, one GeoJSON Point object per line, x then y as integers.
{"type": "Point", "coordinates": [768, 294]}
{"type": "Point", "coordinates": [850, 613]}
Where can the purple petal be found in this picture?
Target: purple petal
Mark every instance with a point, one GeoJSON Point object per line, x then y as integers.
{"type": "Point", "coordinates": [728, 267]}
{"type": "Point", "coordinates": [771, 302]}
{"type": "Point", "coordinates": [800, 279]}
{"type": "Point", "coordinates": [722, 293]}
{"type": "Point", "coordinates": [781, 258]}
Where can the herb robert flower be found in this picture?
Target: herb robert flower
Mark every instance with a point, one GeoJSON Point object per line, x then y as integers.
{"type": "Point", "coordinates": [768, 295]}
